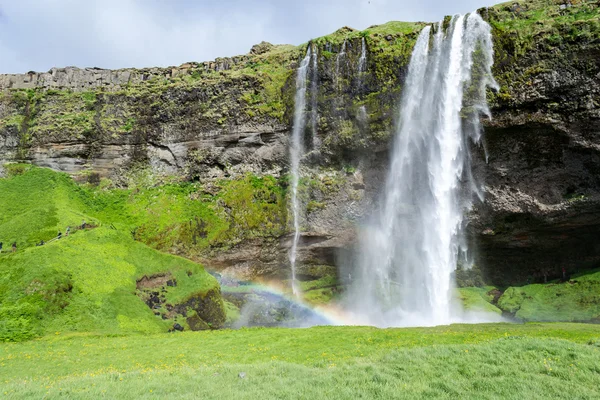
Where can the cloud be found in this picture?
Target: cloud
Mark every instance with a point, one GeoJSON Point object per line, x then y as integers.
{"type": "Point", "coordinates": [40, 34]}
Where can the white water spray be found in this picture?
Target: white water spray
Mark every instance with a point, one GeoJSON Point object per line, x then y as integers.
{"type": "Point", "coordinates": [409, 251]}
{"type": "Point", "coordinates": [296, 152]}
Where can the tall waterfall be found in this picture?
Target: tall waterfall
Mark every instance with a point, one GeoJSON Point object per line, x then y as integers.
{"type": "Point", "coordinates": [296, 152]}
{"type": "Point", "coordinates": [409, 251]}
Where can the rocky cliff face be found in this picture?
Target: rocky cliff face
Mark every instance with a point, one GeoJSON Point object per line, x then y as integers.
{"type": "Point", "coordinates": [543, 185]}
{"type": "Point", "coordinates": [231, 118]}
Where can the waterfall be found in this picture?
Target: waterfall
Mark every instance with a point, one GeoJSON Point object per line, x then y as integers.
{"type": "Point", "coordinates": [338, 62]}
{"type": "Point", "coordinates": [314, 79]}
{"type": "Point", "coordinates": [362, 61]}
{"type": "Point", "coordinates": [409, 250]}
{"type": "Point", "coordinates": [296, 152]}
{"type": "Point", "coordinates": [362, 67]}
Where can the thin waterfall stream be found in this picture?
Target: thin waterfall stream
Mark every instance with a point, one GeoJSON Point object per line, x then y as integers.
{"type": "Point", "coordinates": [297, 151]}
{"type": "Point", "coordinates": [314, 112]}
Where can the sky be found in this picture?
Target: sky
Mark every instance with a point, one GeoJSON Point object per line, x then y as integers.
{"type": "Point", "coordinates": [36, 35]}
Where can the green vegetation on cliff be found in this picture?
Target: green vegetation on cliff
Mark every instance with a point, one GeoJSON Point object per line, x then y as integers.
{"type": "Point", "coordinates": [558, 361]}
{"type": "Point", "coordinates": [524, 31]}
{"type": "Point", "coordinates": [193, 218]}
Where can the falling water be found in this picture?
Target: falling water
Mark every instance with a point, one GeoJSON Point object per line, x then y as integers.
{"type": "Point", "coordinates": [314, 79]}
{"type": "Point", "coordinates": [362, 67]}
{"type": "Point", "coordinates": [338, 62]}
{"type": "Point", "coordinates": [410, 250]}
{"type": "Point", "coordinates": [296, 151]}
{"type": "Point", "coordinates": [362, 61]}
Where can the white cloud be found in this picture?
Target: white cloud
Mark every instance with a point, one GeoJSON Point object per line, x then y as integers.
{"type": "Point", "coordinates": [40, 34]}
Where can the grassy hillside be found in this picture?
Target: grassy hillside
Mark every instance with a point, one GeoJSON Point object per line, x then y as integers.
{"type": "Point", "coordinates": [90, 280]}
{"type": "Point", "coordinates": [478, 299]}
{"type": "Point", "coordinates": [558, 361]}
{"type": "Point", "coordinates": [36, 203]}
{"type": "Point", "coordinates": [190, 218]}
{"type": "Point", "coordinates": [575, 300]}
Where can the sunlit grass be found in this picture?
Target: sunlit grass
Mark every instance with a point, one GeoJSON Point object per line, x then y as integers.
{"type": "Point", "coordinates": [462, 361]}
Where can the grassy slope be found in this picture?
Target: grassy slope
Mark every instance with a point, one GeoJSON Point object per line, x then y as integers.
{"type": "Point", "coordinates": [34, 206]}
{"type": "Point", "coordinates": [84, 282]}
{"type": "Point", "coordinates": [576, 300]}
{"type": "Point", "coordinates": [460, 361]}
{"type": "Point", "coordinates": [477, 299]}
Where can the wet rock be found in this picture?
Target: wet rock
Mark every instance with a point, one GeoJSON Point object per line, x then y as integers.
{"type": "Point", "coordinates": [178, 327]}
{"type": "Point", "coordinates": [197, 324]}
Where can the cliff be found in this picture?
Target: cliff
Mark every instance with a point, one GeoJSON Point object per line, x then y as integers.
{"type": "Point", "coordinates": [222, 129]}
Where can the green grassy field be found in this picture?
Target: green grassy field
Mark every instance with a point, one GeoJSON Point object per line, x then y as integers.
{"type": "Point", "coordinates": [507, 361]}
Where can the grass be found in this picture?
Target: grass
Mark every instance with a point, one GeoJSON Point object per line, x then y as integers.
{"type": "Point", "coordinates": [477, 299]}
{"type": "Point", "coordinates": [170, 216]}
{"type": "Point", "coordinates": [185, 218]}
{"type": "Point", "coordinates": [320, 291]}
{"type": "Point", "coordinates": [575, 300]}
{"type": "Point", "coordinates": [540, 27]}
{"type": "Point", "coordinates": [459, 361]}
{"type": "Point", "coordinates": [85, 282]}
{"type": "Point", "coordinates": [542, 16]}
{"type": "Point", "coordinates": [36, 203]}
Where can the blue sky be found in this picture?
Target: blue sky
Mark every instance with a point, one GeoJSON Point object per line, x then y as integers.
{"type": "Point", "coordinates": [40, 34]}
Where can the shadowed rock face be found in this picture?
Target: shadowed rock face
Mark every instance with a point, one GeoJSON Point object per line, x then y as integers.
{"type": "Point", "coordinates": [542, 205]}
{"type": "Point", "coordinates": [542, 177]}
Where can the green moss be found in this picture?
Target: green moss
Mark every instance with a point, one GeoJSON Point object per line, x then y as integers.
{"type": "Point", "coordinates": [321, 291]}
{"type": "Point", "coordinates": [313, 206]}
{"type": "Point", "coordinates": [128, 127]}
{"type": "Point", "coordinates": [477, 299]}
{"type": "Point", "coordinates": [232, 312]}
{"type": "Point", "coordinates": [576, 300]}
{"type": "Point", "coordinates": [13, 120]}
{"type": "Point", "coordinates": [318, 297]}
{"type": "Point", "coordinates": [178, 217]}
